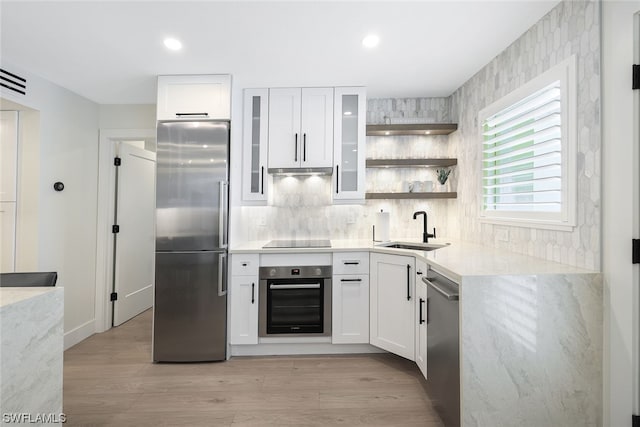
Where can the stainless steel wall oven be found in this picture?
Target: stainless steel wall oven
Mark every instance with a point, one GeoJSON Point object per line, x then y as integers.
{"type": "Point", "coordinates": [295, 301]}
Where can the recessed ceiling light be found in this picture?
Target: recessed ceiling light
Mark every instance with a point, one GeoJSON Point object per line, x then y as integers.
{"type": "Point", "coordinates": [172, 44]}
{"type": "Point", "coordinates": [371, 41]}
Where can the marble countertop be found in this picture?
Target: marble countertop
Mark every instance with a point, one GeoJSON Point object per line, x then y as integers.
{"type": "Point", "coordinates": [456, 260]}
{"type": "Point", "coordinates": [10, 295]}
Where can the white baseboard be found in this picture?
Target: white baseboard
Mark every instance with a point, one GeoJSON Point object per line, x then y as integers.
{"type": "Point", "coordinates": [299, 349]}
{"type": "Point", "coordinates": [78, 334]}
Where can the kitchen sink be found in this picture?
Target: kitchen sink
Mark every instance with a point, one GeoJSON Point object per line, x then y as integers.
{"type": "Point", "coordinates": [414, 246]}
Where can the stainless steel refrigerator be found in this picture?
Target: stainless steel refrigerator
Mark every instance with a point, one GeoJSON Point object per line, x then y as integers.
{"type": "Point", "coordinates": [190, 303]}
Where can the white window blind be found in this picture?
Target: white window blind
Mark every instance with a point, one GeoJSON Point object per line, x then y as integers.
{"type": "Point", "coordinates": [522, 155]}
{"type": "Point", "coordinates": [528, 152]}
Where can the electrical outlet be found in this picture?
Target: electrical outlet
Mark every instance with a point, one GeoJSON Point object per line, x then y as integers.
{"type": "Point", "coordinates": [502, 235]}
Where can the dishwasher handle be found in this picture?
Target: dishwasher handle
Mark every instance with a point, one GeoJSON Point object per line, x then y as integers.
{"type": "Point", "coordinates": [441, 291]}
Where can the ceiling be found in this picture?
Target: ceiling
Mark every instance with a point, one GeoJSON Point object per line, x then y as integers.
{"type": "Point", "coordinates": [110, 52]}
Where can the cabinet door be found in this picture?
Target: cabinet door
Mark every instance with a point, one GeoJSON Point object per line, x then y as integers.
{"type": "Point", "coordinates": [392, 306]}
{"type": "Point", "coordinates": [285, 140]}
{"type": "Point", "coordinates": [7, 236]}
{"type": "Point", "coordinates": [350, 111]}
{"type": "Point", "coordinates": [421, 317]}
{"type": "Point", "coordinates": [190, 97]}
{"type": "Point", "coordinates": [8, 155]}
{"type": "Point", "coordinates": [255, 134]}
{"type": "Point", "coordinates": [350, 309]}
{"type": "Point", "coordinates": [317, 127]}
{"type": "Point", "coordinates": [243, 310]}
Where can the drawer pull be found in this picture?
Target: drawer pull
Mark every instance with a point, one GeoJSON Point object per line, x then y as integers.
{"type": "Point", "coordinates": [351, 280]}
{"type": "Point", "coordinates": [351, 262]}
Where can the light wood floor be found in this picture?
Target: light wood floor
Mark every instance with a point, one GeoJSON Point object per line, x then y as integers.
{"type": "Point", "coordinates": [109, 380]}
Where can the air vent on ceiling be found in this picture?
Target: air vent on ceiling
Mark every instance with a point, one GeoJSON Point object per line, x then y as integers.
{"type": "Point", "coordinates": [13, 82]}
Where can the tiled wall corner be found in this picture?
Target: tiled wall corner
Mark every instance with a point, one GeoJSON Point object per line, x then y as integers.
{"type": "Point", "coordinates": [571, 28]}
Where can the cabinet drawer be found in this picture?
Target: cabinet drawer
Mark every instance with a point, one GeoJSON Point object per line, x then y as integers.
{"type": "Point", "coordinates": [245, 264]}
{"type": "Point", "coordinates": [351, 263]}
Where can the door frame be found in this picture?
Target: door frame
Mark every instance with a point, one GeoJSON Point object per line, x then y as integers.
{"type": "Point", "coordinates": [106, 204]}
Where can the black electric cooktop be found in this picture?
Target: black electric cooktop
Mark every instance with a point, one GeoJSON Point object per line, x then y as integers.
{"type": "Point", "coordinates": [318, 243]}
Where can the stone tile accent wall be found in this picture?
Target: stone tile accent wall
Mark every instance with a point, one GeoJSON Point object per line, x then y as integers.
{"type": "Point", "coordinates": [571, 28]}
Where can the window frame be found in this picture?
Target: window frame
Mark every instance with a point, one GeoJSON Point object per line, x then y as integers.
{"type": "Point", "coordinates": [565, 72]}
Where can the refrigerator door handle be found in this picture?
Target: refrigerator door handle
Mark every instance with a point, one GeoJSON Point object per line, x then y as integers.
{"type": "Point", "coordinates": [222, 274]}
{"type": "Point", "coordinates": [222, 219]}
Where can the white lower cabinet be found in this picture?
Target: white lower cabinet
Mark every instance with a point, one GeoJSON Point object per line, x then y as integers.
{"type": "Point", "coordinates": [392, 303]}
{"type": "Point", "coordinates": [421, 317]}
{"type": "Point", "coordinates": [350, 309]}
{"type": "Point", "coordinates": [244, 310]}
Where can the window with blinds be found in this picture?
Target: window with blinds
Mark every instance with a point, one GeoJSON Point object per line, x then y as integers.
{"type": "Point", "coordinates": [526, 155]}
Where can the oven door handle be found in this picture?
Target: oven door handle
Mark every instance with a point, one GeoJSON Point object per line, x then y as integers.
{"type": "Point", "coordinates": [313, 286]}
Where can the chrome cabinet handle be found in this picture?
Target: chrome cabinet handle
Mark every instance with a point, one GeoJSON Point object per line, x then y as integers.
{"type": "Point", "coordinates": [444, 293]}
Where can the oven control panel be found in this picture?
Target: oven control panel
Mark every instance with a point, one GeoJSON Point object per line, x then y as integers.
{"type": "Point", "coordinates": [295, 272]}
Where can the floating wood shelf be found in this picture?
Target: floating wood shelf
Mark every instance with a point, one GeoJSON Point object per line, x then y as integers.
{"type": "Point", "coordinates": [412, 129]}
{"type": "Point", "coordinates": [431, 195]}
{"type": "Point", "coordinates": [409, 163]}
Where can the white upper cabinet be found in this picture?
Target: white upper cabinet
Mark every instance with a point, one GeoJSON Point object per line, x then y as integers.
{"type": "Point", "coordinates": [8, 155]}
{"type": "Point", "coordinates": [349, 139]}
{"type": "Point", "coordinates": [300, 127]}
{"type": "Point", "coordinates": [189, 97]}
{"type": "Point", "coordinates": [255, 180]}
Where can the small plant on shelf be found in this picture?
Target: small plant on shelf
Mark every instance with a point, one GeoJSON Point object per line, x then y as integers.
{"type": "Point", "coordinates": [443, 174]}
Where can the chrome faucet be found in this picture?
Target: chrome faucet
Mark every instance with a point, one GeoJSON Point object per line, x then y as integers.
{"type": "Point", "coordinates": [425, 235]}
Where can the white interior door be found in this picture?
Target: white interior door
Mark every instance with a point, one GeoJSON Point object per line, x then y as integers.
{"type": "Point", "coordinates": [135, 241]}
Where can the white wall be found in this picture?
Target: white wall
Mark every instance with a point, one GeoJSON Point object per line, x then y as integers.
{"type": "Point", "coordinates": [134, 116]}
{"type": "Point", "coordinates": [621, 211]}
{"type": "Point", "coordinates": [66, 239]}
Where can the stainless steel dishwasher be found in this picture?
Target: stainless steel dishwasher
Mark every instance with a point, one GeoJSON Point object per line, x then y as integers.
{"type": "Point", "coordinates": [443, 347]}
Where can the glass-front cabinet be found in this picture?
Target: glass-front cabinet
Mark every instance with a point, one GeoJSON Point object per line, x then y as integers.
{"type": "Point", "coordinates": [349, 144]}
{"type": "Point", "coordinates": [255, 136]}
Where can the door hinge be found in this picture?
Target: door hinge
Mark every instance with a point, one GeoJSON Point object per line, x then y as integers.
{"type": "Point", "coordinates": [635, 252]}
{"type": "Point", "coordinates": [117, 161]}
{"type": "Point", "coordinates": [636, 77]}
{"type": "Point", "coordinates": [114, 296]}
{"type": "Point", "coordinates": [115, 229]}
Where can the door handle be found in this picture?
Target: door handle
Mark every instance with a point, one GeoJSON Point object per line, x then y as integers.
{"type": "Point", "coordinates": [420, 318]}
{"type": "Point", "coordinates": [222, 277]}
{"type": "Point", "coordinates": [408, 282]}
{"type": "Point", "coordinates": [276, 287]}
{"type": "Point", "coordinates": [304, 147]}
{"type": "Point", "coordinates": [253, 293]}
{"type": "Point", "coordinates": [295, 154]}
{"type": "Point", "coordinates": [444, 293]}
{"type": "Point", "coordinates": [192, 114]}
{"type": "Point", "coordinates": [222, 241]}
